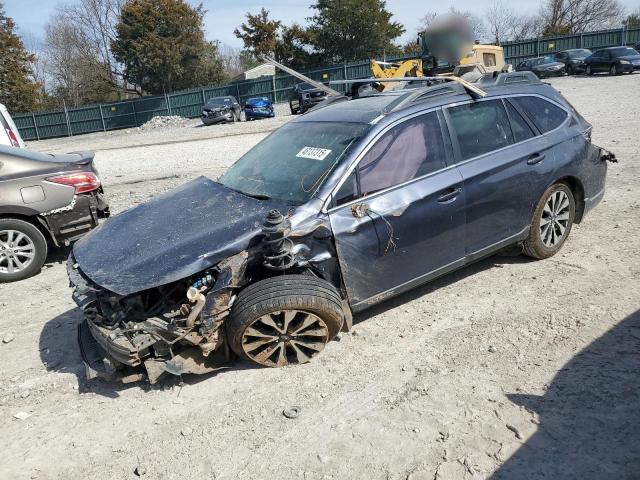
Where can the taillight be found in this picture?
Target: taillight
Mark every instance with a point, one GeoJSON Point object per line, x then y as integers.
{"type": "Point", "coordinates": [82, 181]}
{"type": "Point", "coordinates": [13, 138]}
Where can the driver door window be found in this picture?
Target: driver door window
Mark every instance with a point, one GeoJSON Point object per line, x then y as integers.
{"type": "Point", "coordinates": [410, 150]}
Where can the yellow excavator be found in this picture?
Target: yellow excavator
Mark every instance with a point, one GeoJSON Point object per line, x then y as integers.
{"type": "Point", "coordinates": [444, 48]}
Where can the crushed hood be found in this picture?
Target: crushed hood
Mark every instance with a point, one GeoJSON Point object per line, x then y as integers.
{"type": "Point", "coordinates": [171, 237]}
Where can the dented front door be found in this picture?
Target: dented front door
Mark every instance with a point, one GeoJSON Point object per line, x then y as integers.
{"type": "Point", "coordinates": [393, 240]}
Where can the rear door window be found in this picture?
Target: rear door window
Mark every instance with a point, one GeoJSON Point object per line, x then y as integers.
{"type": "Point", "coordinates": [545, 115]}
{"type": "Point", "coordinates": [480, 127]}
{"type": "Point", "coordinates": [519, 126]}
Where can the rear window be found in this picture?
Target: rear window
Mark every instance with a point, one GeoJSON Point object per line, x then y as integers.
{"type": "Point", "coordinates": [545, 115]}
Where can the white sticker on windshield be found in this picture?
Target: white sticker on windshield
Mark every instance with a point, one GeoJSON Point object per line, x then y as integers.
{"type": "Point", "coordinates": [313, 153]}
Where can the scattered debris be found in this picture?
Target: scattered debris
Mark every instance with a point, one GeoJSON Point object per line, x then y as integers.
{"type": "Point", "coordinates": [164, 121]}
{"type": "Point", "coordinates": [8, 338]}
{"type": "Point", "coordinates": [292, 412]}
{"type": "Point", "coordinates": [140, 470]}
{"type": "Point", "coordinates": [492, 349]}
{"type": "Point", "coordinates": [515, 430]}
{"type": "Point", "coordinates": [186, 431]}
{"type": "Point", "coordinates": [22, 415]}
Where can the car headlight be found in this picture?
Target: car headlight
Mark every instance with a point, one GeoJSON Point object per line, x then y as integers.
{"type": "Point", "coordinates": [625, 62]}
{"type": "Point", "coordinates": [305, 96]}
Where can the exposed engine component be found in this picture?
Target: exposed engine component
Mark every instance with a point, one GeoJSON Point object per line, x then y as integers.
{"type": "Point", "coordinates": [276, 229]}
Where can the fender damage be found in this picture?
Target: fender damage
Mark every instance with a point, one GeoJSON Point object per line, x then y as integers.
{"type": "Point", "coordinates": [160, 308]}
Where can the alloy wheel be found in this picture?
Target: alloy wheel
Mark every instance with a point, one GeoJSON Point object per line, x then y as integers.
{"type": "Point", "coordinates": [555, 219]}
{"type": "Point", "coordinates": [288, 337]}
{"type": "Point", "coordinates": [17, 251]}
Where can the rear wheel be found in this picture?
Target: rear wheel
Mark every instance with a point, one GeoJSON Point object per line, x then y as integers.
{"type": "Point", "coordinates": [23, 250]}
{"type": "Point", "coordinates": [284, 320]}
{"type": "Point", "coordinates": [552, 222]}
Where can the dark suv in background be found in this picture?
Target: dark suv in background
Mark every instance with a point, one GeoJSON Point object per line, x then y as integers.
{"type": "Point", "coordinates": [305, 96]}
{"type": "Point", "coordinates": [614, 60]}
{"type": "Point", "coordinates": [336, 211]}
{"type": "Point", "coordinates": [573, 60]}
{"type": "Point", "coordinates": [44, 199]}
{"type": "Point", "coordinates": [543, 67]}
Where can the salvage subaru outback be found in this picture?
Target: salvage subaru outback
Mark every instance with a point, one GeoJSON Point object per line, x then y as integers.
{"type": "Point", "coordinates": [336, 211]}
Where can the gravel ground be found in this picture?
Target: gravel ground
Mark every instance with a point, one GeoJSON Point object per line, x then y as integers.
{"type": "Point", "coordinates": [510, 368]}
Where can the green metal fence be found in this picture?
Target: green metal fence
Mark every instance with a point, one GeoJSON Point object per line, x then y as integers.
{"type": "Point", "coordinates": [515, 52]}
{"type": "Point", "coordinates": [188, 103]}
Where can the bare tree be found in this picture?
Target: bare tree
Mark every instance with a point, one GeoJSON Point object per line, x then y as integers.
{"type": "Point", "coordinates": [525, 26]}
{"type": "Point", "coordinates": [577, 16]}
{"type": "Point", "coordinates": [94, 22]}
{"type": "Point", "coordinates": [500, 19]}
{"type": "Point", "coordinates": [476, 24]}
{"type": "Point", "coordinates": [73, 64]}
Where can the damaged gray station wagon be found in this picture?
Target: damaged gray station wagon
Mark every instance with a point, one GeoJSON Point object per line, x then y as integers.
{"type": "Point", "coordinates": [336, 211]}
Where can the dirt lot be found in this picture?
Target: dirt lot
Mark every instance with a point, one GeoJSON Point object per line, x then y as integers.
{"type": "Point", "coordinates": [510, 368]}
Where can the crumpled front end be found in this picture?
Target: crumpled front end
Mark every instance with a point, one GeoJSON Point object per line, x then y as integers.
{"type": "Point", "coordinates": [175, 328]}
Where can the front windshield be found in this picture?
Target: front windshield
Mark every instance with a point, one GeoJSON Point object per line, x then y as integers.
{"type": "Point", "coordinates": [220, 101]}
{"type": "Point", "coordinates": [291, 163]}
{"type": "Point", "coordinates": [546, 60]}
{"type": "Point", "coordinates": [623, 52]}
{"type": "Point", "coordinates": [258, 99]}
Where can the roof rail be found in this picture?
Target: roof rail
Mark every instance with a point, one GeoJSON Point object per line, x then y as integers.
{"type": "Point", "coordinates": [501, 79]}
{"type": "Point", "coordinates": [426, 93]}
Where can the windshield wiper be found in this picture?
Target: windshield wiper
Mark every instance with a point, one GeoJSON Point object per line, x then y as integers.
{"type": "Point", "coordinates": [257, 195]}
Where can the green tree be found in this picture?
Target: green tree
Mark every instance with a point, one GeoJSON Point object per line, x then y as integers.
{"type": "Point", "coordinates": [346, 30]}
{"type": "Point", "coordinates": [18, 91]}
{"type": "Point", "coordinates": [259, 33]}
{"type": "Point", "coordinates": [162, 46]}
{"type": "Point", "coordinates": [293, 48]}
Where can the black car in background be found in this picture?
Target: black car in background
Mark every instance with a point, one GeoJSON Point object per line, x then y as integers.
{"type": "Point", "coordinates": [615, 60]}
{"type": "Point", "coordinates": [573, 59]}
{"type": "Point", "coordinates": [221, 110]}
{"type": "Point", "coordinates": [543, 67]}
{"type": "Point", "coordinates": [305, 96]}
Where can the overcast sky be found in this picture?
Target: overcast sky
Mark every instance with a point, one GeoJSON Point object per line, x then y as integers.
{"type": "Point", "coordinates": [224, 15]}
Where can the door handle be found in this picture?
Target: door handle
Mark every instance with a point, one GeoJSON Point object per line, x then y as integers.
{"type": "Point", "coordinates": [449, 194]}
{"type": "Point", "coordinates": [535, 158]}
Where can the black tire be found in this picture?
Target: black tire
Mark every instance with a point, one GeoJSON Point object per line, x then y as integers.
{"type": "Point", "coordinates": [588, 70]}
{"type": "Point", "coordinates": [534, 246]}
{"type": "Point", "coordinates": [613, 70]}
{"type": "Point", "coordinates": [570, 70]}
{"type": "Point", "coordinates": [294, 111]}
{"type": "Point", "coordinates": [311, 297]}
{"type": "Point", "coordinates": [38, 242]}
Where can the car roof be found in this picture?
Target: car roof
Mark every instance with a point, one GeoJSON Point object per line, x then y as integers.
{"type": "Point", "coordinates": [405, 101]}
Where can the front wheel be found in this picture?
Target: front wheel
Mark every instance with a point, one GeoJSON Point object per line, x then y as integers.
{"type": "Point", "coordinates": [284, 320]}
{"type": "Point", "coordinates": [589, 70]}
{"type": "Point", "coordinates": [23, 250]}
{"type": "Point", "coordinates": [613, 70]}
{"type": "Point", "coordinates": [552, 222]}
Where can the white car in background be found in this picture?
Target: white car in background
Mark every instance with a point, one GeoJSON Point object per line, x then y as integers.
{"type": "Point", "coordinates": [9, 134]}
